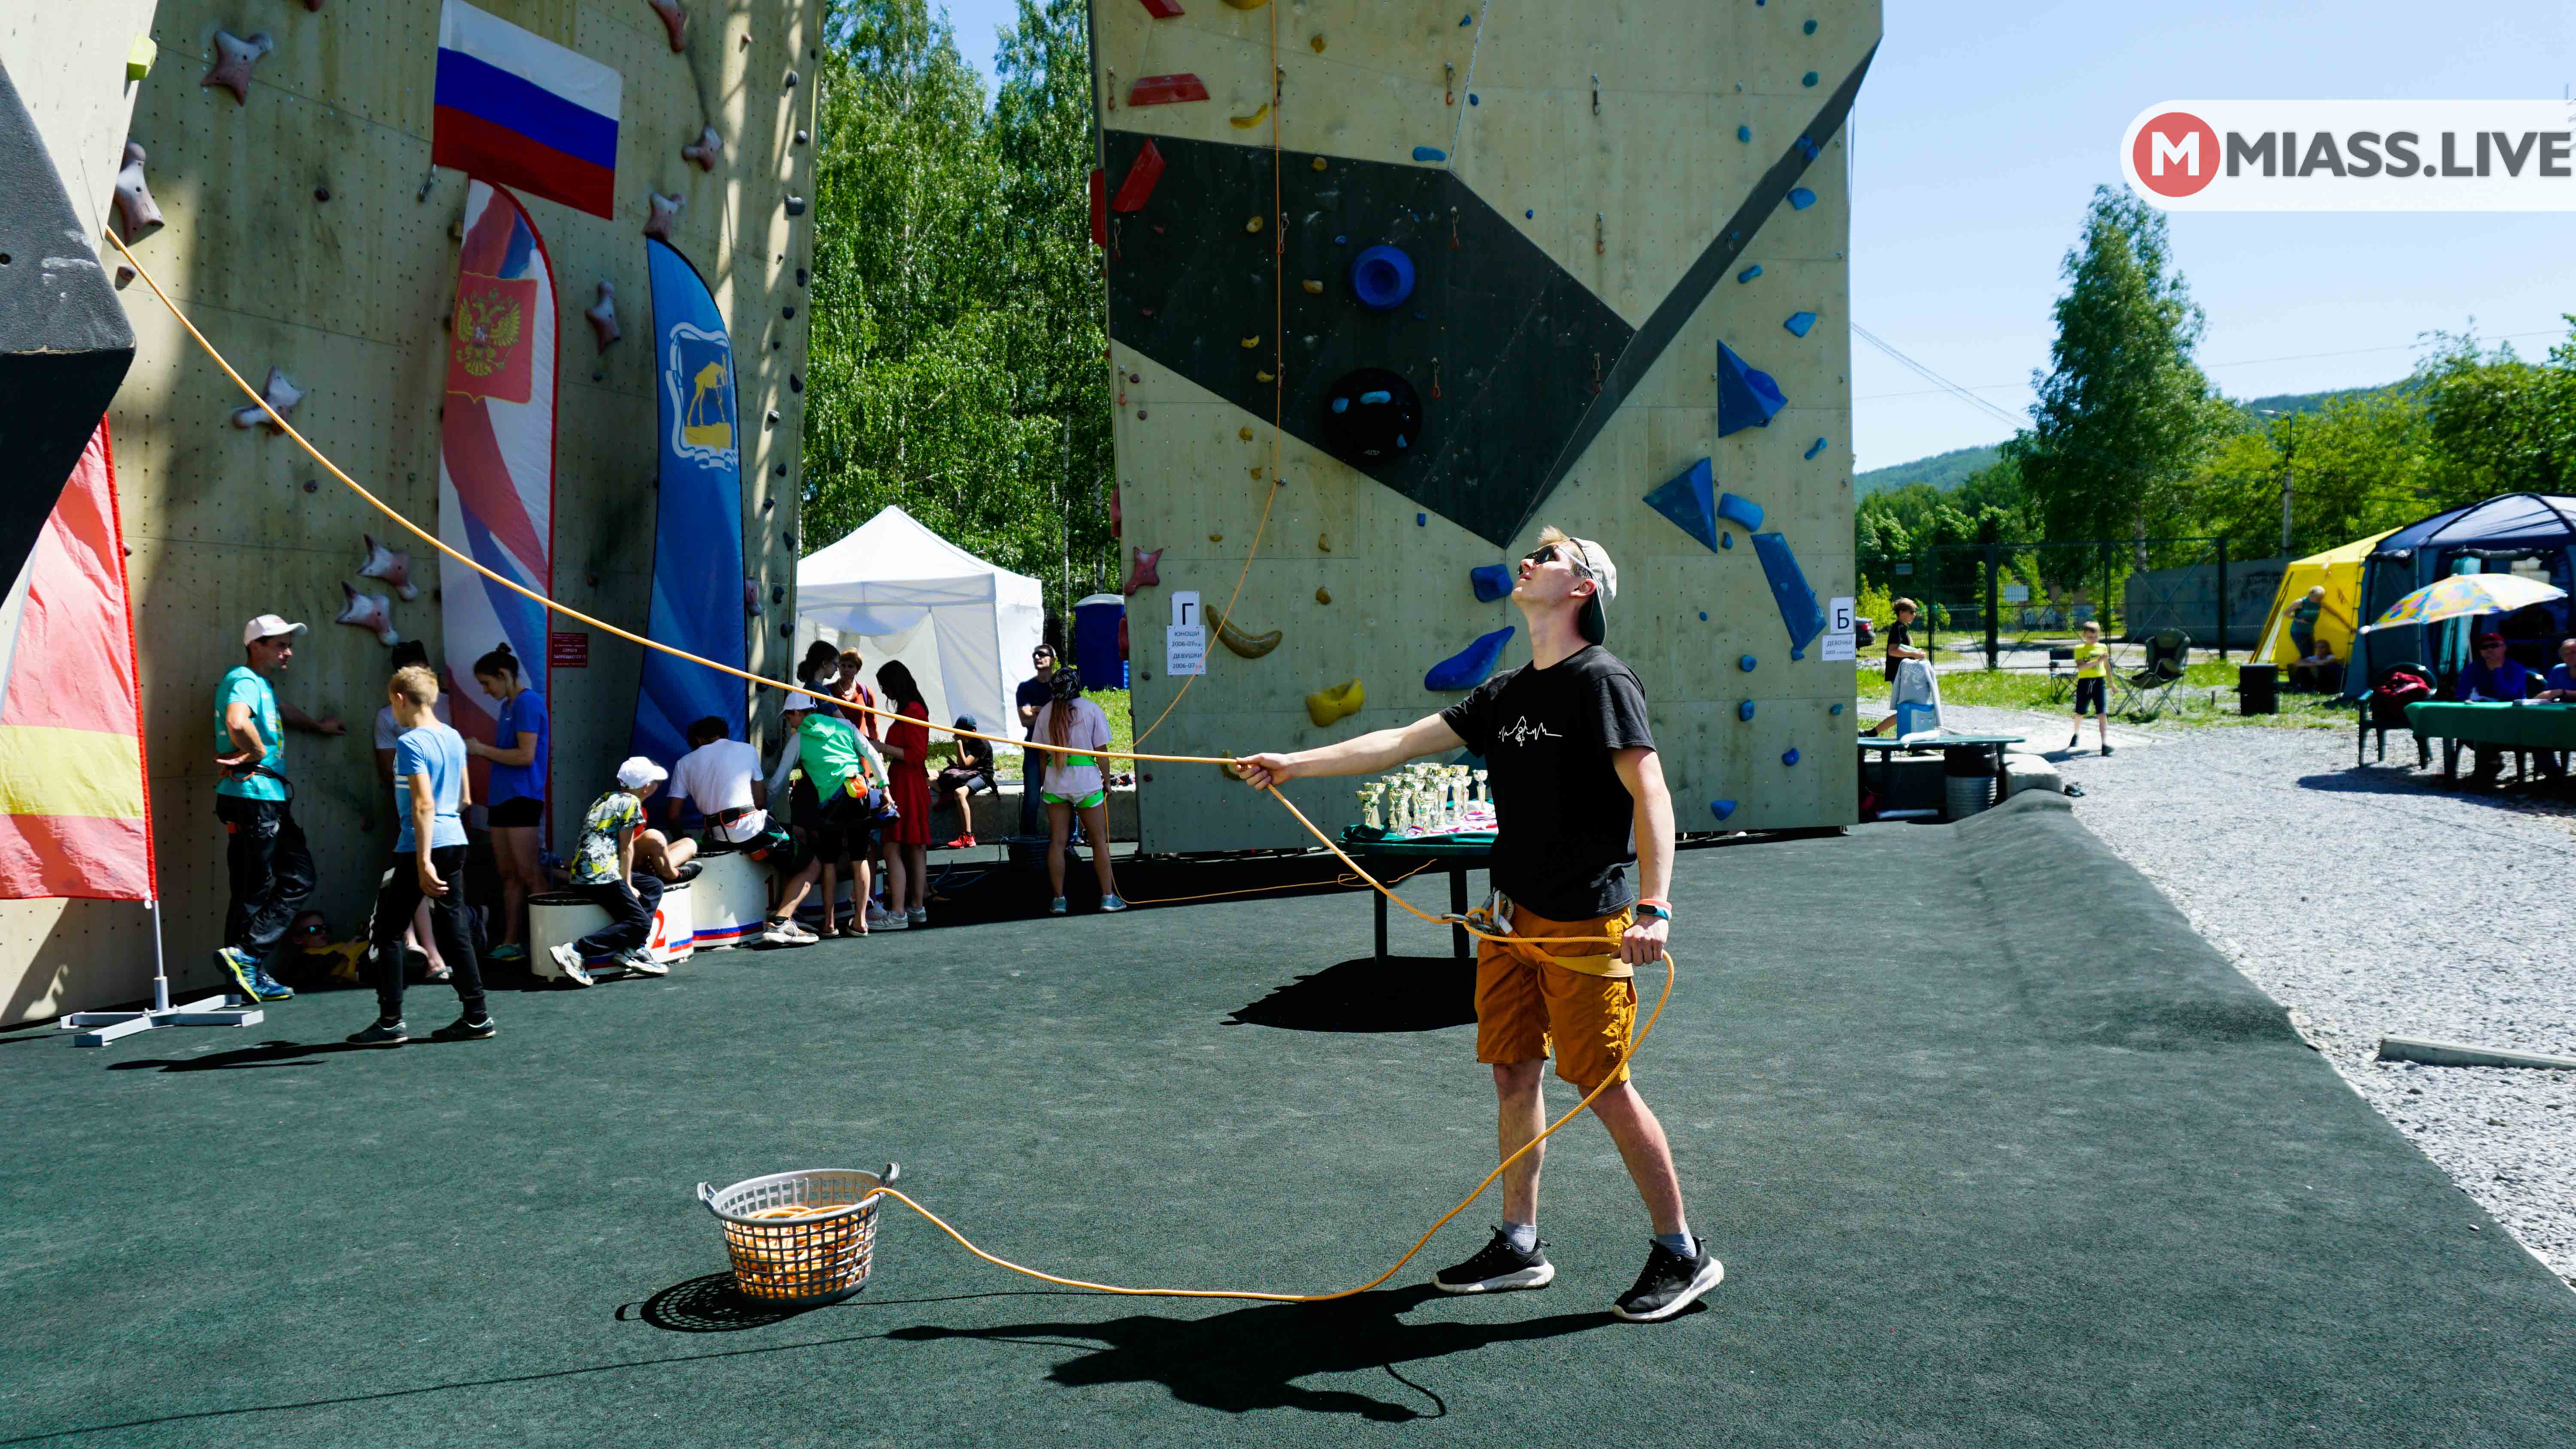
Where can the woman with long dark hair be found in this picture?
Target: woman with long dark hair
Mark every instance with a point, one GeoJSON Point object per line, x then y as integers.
{"type": "Point", "coordinates": [517, 788]}
{"type": "Point", "coordinates": [1074, 784]}
{"type": "Point", "coordinates": [907, 752]}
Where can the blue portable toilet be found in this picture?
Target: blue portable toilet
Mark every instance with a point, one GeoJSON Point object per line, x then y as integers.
{"type": "Point", "coordinates": [1099, 640]}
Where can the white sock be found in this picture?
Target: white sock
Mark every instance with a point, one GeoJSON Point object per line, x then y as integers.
{"type": "Point", "coordinates": [1522, 1236]}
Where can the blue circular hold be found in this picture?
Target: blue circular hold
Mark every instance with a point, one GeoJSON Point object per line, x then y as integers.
{"type": "Point", "coordinates": [1341, 241]}
{"type": "Point", "coordinates": [1533, 215]}
{"type": "Point", "coordinates": [1721, 808]}
{"type": "Point", "coordinates": [1744, 133]}
{"type": "Point", "coordinates": [1382, 277]}
{"type": "Point", "coordinates": [1790, 758]}
{"type": "Point", "coordinates": [1471, 99]}
{"type": "Point", "coordinates": [1744, 710]}
{"type": "Point", "coordinates": [1746, 663]}
{"type": "Point", "coordinates": [1810, 27]}
{"type": "Point", "coordinates": [1703, 616]}
{"type": "Point", "coordinates": [1837, 709]}
{"type": "Point", "coordinates": [1726, 540]}
{"type": "Point", "coordinates": [1809, 79]}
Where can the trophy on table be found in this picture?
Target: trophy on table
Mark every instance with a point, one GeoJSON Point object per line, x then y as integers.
{"type": "Point", "coordinates": [1369, 795]}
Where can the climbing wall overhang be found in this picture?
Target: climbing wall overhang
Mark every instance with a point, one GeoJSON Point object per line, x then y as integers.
{"type": "Point", "coordinates": [1526, 363]}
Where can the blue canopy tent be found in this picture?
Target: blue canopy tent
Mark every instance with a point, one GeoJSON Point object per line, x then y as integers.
{"type": "Point", "coordinates": [2531, 533]}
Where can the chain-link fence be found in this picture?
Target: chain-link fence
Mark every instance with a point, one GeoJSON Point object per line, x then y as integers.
{"type": "Point", "coordinates": [2014, 601]}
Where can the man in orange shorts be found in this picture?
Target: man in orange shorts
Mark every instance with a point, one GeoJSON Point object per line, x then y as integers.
{"type": "Point", "coordinates": [1579, 793]}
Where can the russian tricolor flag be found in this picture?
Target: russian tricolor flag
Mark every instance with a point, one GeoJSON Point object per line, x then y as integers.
{"type": "Point", "coordinates": [516, 108]}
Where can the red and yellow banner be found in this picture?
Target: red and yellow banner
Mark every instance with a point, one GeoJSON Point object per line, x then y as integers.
{"type": "Point", "coordinates": [74, 809]}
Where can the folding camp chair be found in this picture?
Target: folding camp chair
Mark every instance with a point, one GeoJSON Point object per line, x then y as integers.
{"type": "Point", "coordinates": [2142, 694]}
{"type": "Point", "coordinates": [2061, 674]}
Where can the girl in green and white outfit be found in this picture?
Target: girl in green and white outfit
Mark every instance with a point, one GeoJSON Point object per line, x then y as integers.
{"type": "Point", "coordinates": [1074, 783]}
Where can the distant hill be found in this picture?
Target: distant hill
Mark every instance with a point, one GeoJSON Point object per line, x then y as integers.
{"type": "Point", "coordinates": [1947, 471]}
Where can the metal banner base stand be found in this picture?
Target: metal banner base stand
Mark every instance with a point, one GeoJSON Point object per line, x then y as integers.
{"type": "Point", "coordinates": [225, 1009]}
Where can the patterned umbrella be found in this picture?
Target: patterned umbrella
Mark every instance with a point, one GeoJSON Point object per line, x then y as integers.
{"type": "Point", "coordinates": [2467, 594]}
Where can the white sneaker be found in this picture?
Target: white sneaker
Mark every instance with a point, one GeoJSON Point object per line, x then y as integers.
{"type": "Point", "coordinates": [569, 962]}
{"type": "Point", "coordinates": [642, 963]}
{"type": "Point", "coordinates": [787, 933]}
{"type": "Point", "coordinates": [886, 920]}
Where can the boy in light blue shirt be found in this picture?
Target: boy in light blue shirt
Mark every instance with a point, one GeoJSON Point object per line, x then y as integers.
{"type": "Point", "coordinates": [430, 796]}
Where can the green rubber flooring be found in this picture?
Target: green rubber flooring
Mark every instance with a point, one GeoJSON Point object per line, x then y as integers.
{"type": "Point", "coordinates": [1996, 1151]}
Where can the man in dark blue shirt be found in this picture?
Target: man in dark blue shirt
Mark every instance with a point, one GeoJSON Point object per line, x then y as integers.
{"type": "Point", "coordinates": [1032, 696]}
{"type": "Point", "coordinates": [2492, 677]}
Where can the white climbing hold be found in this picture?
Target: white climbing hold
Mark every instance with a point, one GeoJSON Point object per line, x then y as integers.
{"type": "Point", "coordinates": [234, 57]}
{"type": "Point", "coordinates": [393, 565]}
{"type": "Point", "coordinates": [666, 209]}
{"type": "Point", "coordinates": [603, 316]}
{"type": "Point", "coordinates": [707, 151]}
{"type": "Point", "coordinates": [674, 20]}
{"type": "Point", "coordinates": [280, 393]}
{"type": "Point", "coordinates": [371, 612]}
{"type": "Point", "coordinates": [136, 211]}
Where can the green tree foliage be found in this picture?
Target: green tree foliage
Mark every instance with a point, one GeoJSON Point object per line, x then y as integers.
{"type": "Point", "coordinates": [955, 368]}
{"type": "Point", "coordinates": [2498, 424]}
{"type": "Point", "coordinates": [2124, 414]}
{"type": "Point", "coordinates": [2359, 465]}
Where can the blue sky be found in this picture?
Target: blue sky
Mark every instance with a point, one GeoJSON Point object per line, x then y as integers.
{"type": "Point", "coordinates": [1985, 126]}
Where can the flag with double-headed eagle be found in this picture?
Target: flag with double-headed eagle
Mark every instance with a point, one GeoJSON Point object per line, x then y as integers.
{"type": "Point", "coordinates": [496, 455]}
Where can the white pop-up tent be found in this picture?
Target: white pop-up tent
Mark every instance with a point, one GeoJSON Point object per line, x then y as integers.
{"type": "Point", "coordinates": [894, 590]}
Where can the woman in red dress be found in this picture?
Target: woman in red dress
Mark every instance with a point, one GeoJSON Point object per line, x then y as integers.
{"type": "Point", "coordinates": [907, 753]}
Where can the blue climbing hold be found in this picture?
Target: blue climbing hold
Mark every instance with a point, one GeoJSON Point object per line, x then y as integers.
{"type": "Point", "coordinates": [1343, 404]}
{"type": "Point", "coordinates": [1748, 274]}
{"type": "Point", "coordinates": [1533, 215]}
{"type": "Point", "coordinates": [1789, 757]}
{"type": "Point", "coordinates": [1744, 133]}
{"type": "Point", "coordinates": [1379, 395]}
{"type": "Point", "coordinates": [1736, 508]}
{"type": "Point", "coordinates": [1382, 277]}
{"type": "Point", "coordinates": [1703, 616]}
{"type": "Point", "coordinates": [1341, 241]}
{"type": "Point", "coordinates": [1690, 501]}
{"type": "Point", "coordinates": [1429, 153]}
{"type": "Point", "coordinates": [1744, 710]}
{"type": "Point", "coordinates": [1469, 666]}
{"type": "Point", "coordinates": [1746, 663]}
{"type": "Point", "coordinates": [1810, 27]}
{"type": "Point", "coordinates": [1800, 198]}
{"type": "Point", "coordinates": [1721, 808]}
{"type": "Point", "coordinates": [1492, 581]}
{"type": "Point", "coordinates": [1746, 396]}
{"type": "Point", "coordinates": [1471, 99]}
{"type": "Point", "coordinates": [1815, 447]}
{"type": "Point", "coordinates": [1466, 20]}
{"type": "Point", "coordinates": [1837, 709]}
{"type": "Point", "coordinates": [1808, 79]}
{"type": "Point", "coordinates": [1399, 441]}
{"type": "Point", "coordinates": [1800, 323]}
{"type": "Point", "coordinates": [1422, 520]}
{"type": "Point", "coordinates": [1726, 540]}
{"type": "Point", "coordinates": [1807, 147]}
{"type": "Point", "coordinates": [1799, 612]}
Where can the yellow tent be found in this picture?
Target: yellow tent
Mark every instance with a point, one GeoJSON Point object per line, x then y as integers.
{"type": "Point", "coordinates": [2339, 570]}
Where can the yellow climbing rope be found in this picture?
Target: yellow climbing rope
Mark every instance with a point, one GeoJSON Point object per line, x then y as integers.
{"type": "Point", "coordinates": [1470, 926]}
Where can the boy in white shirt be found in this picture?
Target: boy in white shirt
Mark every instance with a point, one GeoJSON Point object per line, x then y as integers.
{"type": "Point", "coordinates": [720, 775]}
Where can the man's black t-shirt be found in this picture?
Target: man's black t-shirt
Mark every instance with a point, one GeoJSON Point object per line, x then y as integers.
{"type": "Point", "coordinates": [1034, 694]}
{"type": "Point", "coordinates": [1563, 817]}
{"type": "Point", "coordinates": [1900, 635]}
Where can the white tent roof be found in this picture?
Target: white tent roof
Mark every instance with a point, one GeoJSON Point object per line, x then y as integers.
{"type": "Point", "coordinates": [898, 591]}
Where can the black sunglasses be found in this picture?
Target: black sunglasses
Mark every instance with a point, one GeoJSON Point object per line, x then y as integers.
{"type": "Point", "coordinates": [1549, 553]}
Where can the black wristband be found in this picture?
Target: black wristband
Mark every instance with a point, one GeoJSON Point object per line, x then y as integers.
{"type": "Point", "coordinates": [1658, 912]}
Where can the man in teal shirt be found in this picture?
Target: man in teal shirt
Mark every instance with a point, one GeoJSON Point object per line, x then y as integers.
{"type": "Point", "coordinates": [268, 866]}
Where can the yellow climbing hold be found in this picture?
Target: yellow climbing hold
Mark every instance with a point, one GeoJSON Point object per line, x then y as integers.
{"type": "Point", "coordinates": [1324, 541]}
{"type": "Point", "coordinates": [1319, 161]}
{"type": "Point", "coordinates": [1256, 472]}
{"type": "Point", "coordinates": [1253, 341]}
{"type": "Point", "coordinates": [1250, 646]}
{"type": "Point", "coordinates": [1246, 123]}
{"type": "Point", "coordinates": [1262, 377]}
{"type": "Point", "coordinates": [1252, 223]}
{"type": "Point", "coordinates": [1341, 701]}
{"type": "Point", "coordinates": [1244, 433]}
{"type": "Point", "coordinates": [1323, 596]}
{"type": "Point", "coordinates": [1313, 288]}
{"type": "Point", "coordinates": [1318, 43]}
{"type": "Point", "coordinates": [1216, 538]}
{"type": "Point", "coordinates": [1247, 4]}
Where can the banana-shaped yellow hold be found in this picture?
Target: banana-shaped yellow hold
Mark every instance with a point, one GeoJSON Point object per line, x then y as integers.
{"type": "Point", "coordinates": [1250, 646]}
{"type": "Point", "coordinates": [1341, 701]}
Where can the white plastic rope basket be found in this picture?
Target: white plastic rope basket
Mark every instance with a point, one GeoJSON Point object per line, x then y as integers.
{"type": "Point", "coordinates": [800, 1237]}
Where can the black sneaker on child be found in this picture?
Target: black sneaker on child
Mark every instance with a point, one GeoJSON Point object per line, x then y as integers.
{"type": "Point", "coordinates": [1669, 1284]}
{"type": "Point", "coordinates": [460, 1029]}
{"type": "Point", "coordinates": [1498, 1269]}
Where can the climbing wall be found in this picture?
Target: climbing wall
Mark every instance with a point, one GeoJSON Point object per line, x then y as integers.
{"type": "Point", "coordinates": [1420, 281]}
{"type": "Point", "coordinates": [305, 230]}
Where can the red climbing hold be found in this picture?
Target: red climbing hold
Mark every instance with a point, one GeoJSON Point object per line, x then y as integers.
{"type": "Point", "coordinates": [675, 20]}
{"type": "Point", "coordinates": [603, 316]}
{"type": "Point", "coordinates": [1163, 90]}
{"type": "Point", "coordinates": [1143, 574]}
{"type": "Point", "coordinates": [1162, 9]}
{"type": "Point", "coordinates": [135, 209]}
{"type": "Point", "coordinates": [1117, 515]}
{"type": "Point", "coordinates": [234, 57]}
{"type": "Point", "coordinates": [1141, 177]}
{"type": "Point", "coordinates": [706, 150]}
{"type": "Point", "coordinates": [666, 209]}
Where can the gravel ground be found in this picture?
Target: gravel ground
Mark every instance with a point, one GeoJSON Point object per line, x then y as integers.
{"type": "Point", "coordinates": [2369, 902]}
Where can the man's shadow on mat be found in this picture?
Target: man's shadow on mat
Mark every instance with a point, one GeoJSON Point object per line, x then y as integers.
{"type": "Point", "coordinates": [266, 1054]}
{"type": "Point", "coordinates": [1407, 993]}
{"type": "Point", "coordinates": [1251, 1358]}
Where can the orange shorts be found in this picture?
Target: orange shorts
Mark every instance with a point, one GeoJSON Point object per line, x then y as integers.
{"type": "Point", "coordinates": [1524, 1005]}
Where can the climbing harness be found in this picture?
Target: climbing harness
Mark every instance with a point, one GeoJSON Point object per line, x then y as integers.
{"type": "Point", "coordinates": [1473, 923]}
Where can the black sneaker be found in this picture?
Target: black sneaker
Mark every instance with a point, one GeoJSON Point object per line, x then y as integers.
{"type": "Point", "coordinates": [2106, 749]}
{"type": "Point", "coordinates": [462, 1030]}
{"type": "Point", "coordinates": [1669, 1284]}
{"type": "Point", "coordinates": [1498, 1269]}
{"type": "Point", "coordinates": [382, 1034]}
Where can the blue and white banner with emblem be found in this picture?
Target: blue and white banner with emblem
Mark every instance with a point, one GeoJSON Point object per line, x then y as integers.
{"type": "Point", "coordinates": [698, 596]}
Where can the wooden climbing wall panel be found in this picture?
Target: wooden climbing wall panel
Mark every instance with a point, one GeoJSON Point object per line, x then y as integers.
{"type": "Point", "coordinates": [1614, 169]}
{"type": "Point", "coordinates": [347, 294]}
